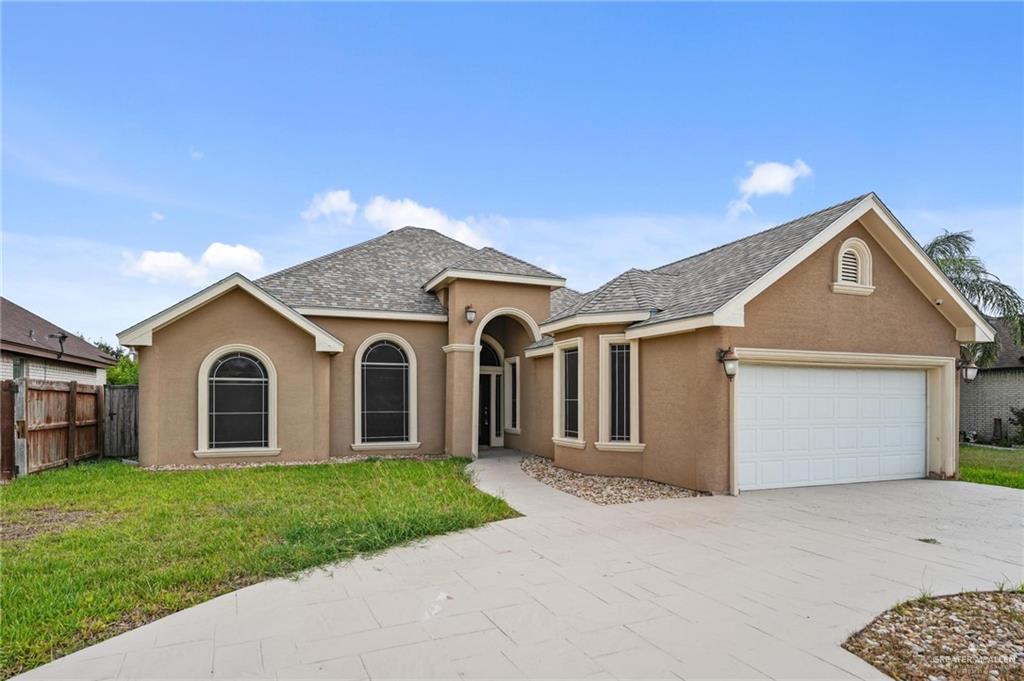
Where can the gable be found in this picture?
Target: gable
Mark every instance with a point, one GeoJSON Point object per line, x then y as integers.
{"type": "Point", "coordinates": [142, 333]}
{"type": "Point", "coordinates": [800, 310]}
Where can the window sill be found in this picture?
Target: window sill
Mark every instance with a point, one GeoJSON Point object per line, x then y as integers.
{"type": "Point", "coordinates": [393, 446]}
{"type": "Point", "coordinates": [513, 431]}
{"type": "Point", "coordinates": [230, 452]}
{"type": "Point", "coordinates": [620, 446]}
{"type": "Point", "coordinates": [568, 442]}
{"type": "Point", "coordinates": [852, 289]}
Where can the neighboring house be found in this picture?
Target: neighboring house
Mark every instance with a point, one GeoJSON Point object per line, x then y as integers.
{"type": "Point", "coordinates": [985, 402]}
{"type": "Point", "coordinates": [845, 332]}
{"type": "Point", "coordinates": [32, 347]}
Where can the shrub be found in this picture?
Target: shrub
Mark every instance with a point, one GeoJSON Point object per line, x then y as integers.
{"type": "Point", "coordinates": [125, 372]}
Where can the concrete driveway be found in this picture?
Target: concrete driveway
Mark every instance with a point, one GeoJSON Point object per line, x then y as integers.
{"type": "Point", "coordinates": [766, 585]}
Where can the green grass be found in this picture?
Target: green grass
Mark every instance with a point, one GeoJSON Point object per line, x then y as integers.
{"type": "Point", "coordinates": [160, 542]}
{"type": "Point", "coordinates": [992, 466]}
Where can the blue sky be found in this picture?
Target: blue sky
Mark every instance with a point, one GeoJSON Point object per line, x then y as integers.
{"type": "Point", "coordinates": [149, 149]}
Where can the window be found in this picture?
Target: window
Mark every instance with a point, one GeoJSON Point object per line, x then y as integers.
{"type": "Point", "coordinates": [19, 367]}
{"type": "Point", "coordinates": [570, 393]}
{"type": "Point", "coordinates": [567, 389]}
{"type": "Point", "coordinates": [853, 268]}
{"type": "Point", "coordinates": [385, 394]}
{"type": "Point", "coordinates": [620, 393]}
{"type": "Point", "coordinates": [511, 382]}
{"type": "Point", "coordinates": [619, 399]}
{"type": "Point", "coordinates": [385, 398]}
{"type": "Point", "coordinates": [237, 403]}
{"type": "Point", "coordinates": [488, 356]}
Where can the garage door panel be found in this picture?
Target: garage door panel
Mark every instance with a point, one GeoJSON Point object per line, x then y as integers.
{"type": "Point", "coordinates": [812, 426]}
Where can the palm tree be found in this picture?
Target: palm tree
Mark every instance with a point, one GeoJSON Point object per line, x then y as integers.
{"type": "Point", "coordinates": [951, 251]}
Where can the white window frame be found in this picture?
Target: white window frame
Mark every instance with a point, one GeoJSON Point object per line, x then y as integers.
{"type": "Point", "coordinates": [558, 420]}
{"type": "Point", "coordinates": [507, 406]}
{"type": "Point", "coordinates": [605, 443]}
{"type": "Point", "coordinates": [863, 285]}
{"type": "Point", "coordinates": [357, 380]}
{"type": "Point", "coordinates": [203, 449]}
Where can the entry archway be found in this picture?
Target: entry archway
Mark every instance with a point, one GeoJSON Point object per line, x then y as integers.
{"type": "Point", "coordinates": [532, 330]}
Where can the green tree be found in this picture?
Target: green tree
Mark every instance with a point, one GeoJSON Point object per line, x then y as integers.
{"type": "Point", "coordinates": [951, 251]}
{"type": "Point", "coordinates": [125, 372]}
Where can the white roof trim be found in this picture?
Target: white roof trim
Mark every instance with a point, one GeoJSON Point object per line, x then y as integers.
{"type": "Point", "coordinates": [981, 332]}
{"type": "Point", "coordinates": [142, 333]}
{"type": "Point", "coordinates": [371, 314]}
{"type": "Point", "coordinates": [590, 319]}
{"type": "Point", "coordinates": [448, 276]}
{"type": "Point", "coordinates": [542, 351]}
{"type": "Point", "coordinates": [677, 326]}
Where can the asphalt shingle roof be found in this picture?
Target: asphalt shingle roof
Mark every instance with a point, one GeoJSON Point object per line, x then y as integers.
{"type": "Point", "coordinates": [1011, 355]}
{"type": "Point", "coordinates": [493, 261]}
{"type": "Point", "coordinates": [23, 327]}
{"type": "Point", "coordinates": [700, 284]}
{"type": "Point", "coordinates": [382, 274]}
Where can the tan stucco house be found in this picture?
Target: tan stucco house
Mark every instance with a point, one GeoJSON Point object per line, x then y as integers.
{"type": "Point", "coordinates": [842, 336]}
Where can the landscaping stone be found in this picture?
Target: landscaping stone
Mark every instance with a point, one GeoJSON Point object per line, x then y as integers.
{"type": "Point", "coordinates": [600, 489]}
{"type": "Point", "coordinates": [963, 637]}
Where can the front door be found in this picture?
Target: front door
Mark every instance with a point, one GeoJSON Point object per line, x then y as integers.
{"type": "Point", "coordinates": [490, 431]}
{"type": "Point", "coordinates": [484, 415]}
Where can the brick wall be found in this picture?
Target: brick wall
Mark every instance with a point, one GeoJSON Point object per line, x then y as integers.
{"type": "Point", "coordinates": [988, 397]}
{"type": "Point", "coordinates": [49, 370]}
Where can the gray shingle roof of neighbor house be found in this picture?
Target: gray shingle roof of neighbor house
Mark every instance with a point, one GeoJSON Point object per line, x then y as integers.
{"type": "Point", "coordinates": [700, 284]}
{"type": "Point", "coordinates": [387, 274]}
{"type": "Point", "coordinates": [1011, 355]}
{"type": "Point", "coordinates": [23, 330]}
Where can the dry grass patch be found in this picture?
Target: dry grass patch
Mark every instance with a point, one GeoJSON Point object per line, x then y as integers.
{"type": "Point", "coordinates": [601, 489]}
{"type": "Point", "coordinates": [963, 637]}
{"type": "Point", "coordinates": [35, 521]}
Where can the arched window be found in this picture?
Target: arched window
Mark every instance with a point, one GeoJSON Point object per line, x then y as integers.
{"type": "Point", "coordinates": [385, 394]}
{"type": "Point", "coordinates": [853, 268]}
{"type": "Point", "coordinates": [488, 355]}
{"type": "Point", "coordinates": [237, 403]}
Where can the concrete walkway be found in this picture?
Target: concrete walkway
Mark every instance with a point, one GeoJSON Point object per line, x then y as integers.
{"type": "Point", "coordinates": [765, 585]}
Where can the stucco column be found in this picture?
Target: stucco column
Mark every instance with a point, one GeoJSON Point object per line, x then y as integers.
{"type": "Point", "coordinates": [458, 408]}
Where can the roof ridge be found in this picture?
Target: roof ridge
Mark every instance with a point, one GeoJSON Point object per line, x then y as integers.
{"type": "Point", "coordinates": [763, 231]}
{"type": "Point", "coordinates": [507, 255]}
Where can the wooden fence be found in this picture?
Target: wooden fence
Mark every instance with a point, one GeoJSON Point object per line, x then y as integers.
{"type": "Point", "coordinates": [46, 424]}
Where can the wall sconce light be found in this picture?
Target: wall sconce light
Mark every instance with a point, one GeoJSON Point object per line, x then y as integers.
{"type": "Point", "coordinates": [968, 370]}
{"type": "Point", "coordinates": [470, 314]}
{"type": "Point", "coordinates": [730, 362]}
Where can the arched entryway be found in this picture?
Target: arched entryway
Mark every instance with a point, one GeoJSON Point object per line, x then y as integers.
{"type": "Point", "coordinates": [503, 332]}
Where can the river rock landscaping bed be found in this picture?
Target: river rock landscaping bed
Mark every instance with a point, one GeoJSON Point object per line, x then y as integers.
{"type": "Point", "coordinates": [600, 489]}
{"type": "Point", "coordinates": [963, 637]}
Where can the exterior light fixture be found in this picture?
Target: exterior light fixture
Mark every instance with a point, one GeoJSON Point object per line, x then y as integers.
{"type": "Point", "coordinates": [470, 314]}
{"type": "Point", "coordinates": [968, 370]}
{"type": "Point", "coordinates": [730, 362]}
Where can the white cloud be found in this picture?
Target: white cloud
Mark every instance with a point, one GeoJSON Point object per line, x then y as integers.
{"type": "Point", "coordinates": [385, 213]}
{"type": "Point", "coordinates": [196, 154]}
{"type": "Point", "coordinates": [174, 266]}
{"type": "Point", "coordinates": [334, 206]}
{"type": "Point", "coordinates": [157, 217]}
{"type": "Point", "coordinates": [767, 178]}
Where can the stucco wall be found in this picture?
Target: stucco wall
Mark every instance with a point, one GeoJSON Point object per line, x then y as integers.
{"type": "Point", "coordinates": [426, 339]}
{"type": "Point", "coordinates": [684, 394]}
{"type": "Point", "coordinates": [988, 397]}
{"type": "Point", "coordinates": [169, 375]}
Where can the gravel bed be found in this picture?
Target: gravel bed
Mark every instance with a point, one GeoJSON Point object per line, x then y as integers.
{"type": "Point", "coordinates": [601, 489]}
{"type": "Point", "coordinates": [351, 458]}
{"type": "Point", "coordinates": [964, 637]}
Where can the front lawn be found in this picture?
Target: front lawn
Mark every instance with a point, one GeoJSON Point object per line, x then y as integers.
{"type": "Point", "coordinates": [989, 466]}
{"type": "Point", "coordinates": [99, 548]}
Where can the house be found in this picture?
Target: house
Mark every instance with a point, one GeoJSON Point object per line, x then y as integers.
{"type": "Point", "coordinates": [841, 334]}
{"type": "Point", "coordinates": [985, 402]}
{"type": "Point", "coordinates": [32, 347]}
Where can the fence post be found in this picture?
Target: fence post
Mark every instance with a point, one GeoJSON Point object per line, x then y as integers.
{"type": "Point", "coordinates": [100, 405]}
{"type": "Point", "coordinates": [7, 392]}
{"type": "Point", "coordinates": [72, 451]}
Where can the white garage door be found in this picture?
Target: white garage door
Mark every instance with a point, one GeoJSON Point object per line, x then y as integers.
{"type": "Point", "coordinates": [809, 426]}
